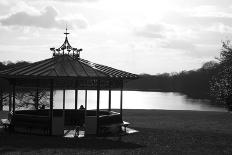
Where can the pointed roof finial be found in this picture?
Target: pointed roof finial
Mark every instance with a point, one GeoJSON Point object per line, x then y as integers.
{"type": "Point", "coordinates": [66, 33]}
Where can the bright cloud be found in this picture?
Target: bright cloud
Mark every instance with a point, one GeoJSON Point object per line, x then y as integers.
{"type": "Point", "coordinates": [151, 36]}
{"type": "Point", "coordinates": [151, 31]}
{"type": "Point", "coordinates": [46, 19]}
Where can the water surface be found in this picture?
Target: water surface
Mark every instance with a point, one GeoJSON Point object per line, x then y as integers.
{"type": "Point", "coordinates": [136, 100]}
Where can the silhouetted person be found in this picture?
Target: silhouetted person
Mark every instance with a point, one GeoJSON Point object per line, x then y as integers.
{"type": "Point", "coordinates": [42, 107]}
{"type": "Point", "coordinates": [82, 114]}
{"type": "Point", "coordinates": [81, 107]}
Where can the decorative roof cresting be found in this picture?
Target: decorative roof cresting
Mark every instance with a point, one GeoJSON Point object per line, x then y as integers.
{"type": "Point", "coordinates": [66, 49]}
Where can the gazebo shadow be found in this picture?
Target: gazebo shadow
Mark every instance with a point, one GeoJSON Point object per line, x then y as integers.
{"type": "Point", "coordinates": [104, 143]}
{"type": "Point", "coordinates": [15, 142]}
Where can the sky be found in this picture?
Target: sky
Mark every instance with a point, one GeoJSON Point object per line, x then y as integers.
{"type": "Point", "coordinates": [138, 36]}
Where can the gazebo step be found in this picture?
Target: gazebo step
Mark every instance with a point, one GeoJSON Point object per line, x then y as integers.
{"type": "Point", "coordinates": [72, 134]}
{"type": "Point", "coordinates": [129, 130]}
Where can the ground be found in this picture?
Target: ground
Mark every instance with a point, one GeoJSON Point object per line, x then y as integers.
{"type": "Point", "coordinates": [161, 132]}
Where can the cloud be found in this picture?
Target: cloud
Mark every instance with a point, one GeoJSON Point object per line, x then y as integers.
{"type": "Point", "coordinates": [192, 48]}
{"type": "Point", "coordinates": [46, 19]}
{"type": "Point", "coordinates": [199, 29]}
{"type": "Point", "coordinates": [179, 44]}
{"type": "Point", "coordinates": [196, 3]}
{"type": "Point", "coordinates": [66, 1]}
{"type": "Point", "coordinates": [151, 31]}
{"type": "Point", "coordinates": [203, 16]}
{"type": "Point", "coordinates": [78, 1]}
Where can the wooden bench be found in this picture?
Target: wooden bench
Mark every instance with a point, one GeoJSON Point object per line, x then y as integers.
{"type": "Point", "coordinates": [30, 122]}
{"type": "Point", "coordinates": [5, 123]}
{"type": "Point", "coordinates": [106, 129]}
{"type": "Point", "coordinates": [125, 124]}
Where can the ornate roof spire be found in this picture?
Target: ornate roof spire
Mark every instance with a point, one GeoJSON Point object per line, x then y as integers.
{"type": "Point", "coordinates": [66, 48]}
{"type": "Point", "coordinates": [66, 33]}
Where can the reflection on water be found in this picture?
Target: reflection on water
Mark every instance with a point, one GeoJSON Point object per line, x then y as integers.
{"type": "Point", "coordinates": [136, 100]}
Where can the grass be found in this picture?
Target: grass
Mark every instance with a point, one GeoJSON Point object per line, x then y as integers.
{"type": "Point", "coordinates": [161, 132]}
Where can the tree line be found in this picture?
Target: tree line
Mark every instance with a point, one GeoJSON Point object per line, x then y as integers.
{"type": "Point", "coordinates": [212, 81]}
{"type": "Point", "coordinates": [9, 64]}
{"type": "Point", "coordinates": [194, 83]}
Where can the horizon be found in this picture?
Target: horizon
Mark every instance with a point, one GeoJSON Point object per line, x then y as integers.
{"type": "Point", "coordinates": [142, 37]}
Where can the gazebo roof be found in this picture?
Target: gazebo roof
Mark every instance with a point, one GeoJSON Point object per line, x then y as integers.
{"type": "Point", "coordinates": [61, 66]}
{"type": "Point", "coordinates": [65, 63]}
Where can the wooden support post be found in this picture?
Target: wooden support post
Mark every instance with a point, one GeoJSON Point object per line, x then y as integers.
{"type": "Point", "coordinates": [37, 98]}
{"type": "Point", "coordinates": [63, 103]}
{"type": "Point", "coordinates": [10, 101]}
{"type": "Point", "coordinates": [86, 103]}
{"type": "Point", "coordinates": [110, 83]}
{"type": "Point", "coordinates": [63, 99]}
{"type": "Point", "coordinates": [109, 99]}
{"type": "Point", "coordinates": [14, 97]}
{"type": "Point", "coordinates": [1, 99]}
{"type": "Point", "coordinates": [76, 94]}
{"type": "Point", "coordinates": [76, 98]}
{"type": "Point", "coordinates": [98, 105]}
{"type": "Point", "coordinates": [51, 105]}
{"type": "Point", "coordinates": [121, 97]}
{"type": "Point", "coordinates": [86, 99]}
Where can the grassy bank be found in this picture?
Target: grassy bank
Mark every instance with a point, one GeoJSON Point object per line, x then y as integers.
{"type": "Point", "coordinates": [161, 132]}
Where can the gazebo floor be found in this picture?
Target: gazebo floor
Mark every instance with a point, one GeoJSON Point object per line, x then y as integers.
{"type": "Point", "coordinates": [72, 133]}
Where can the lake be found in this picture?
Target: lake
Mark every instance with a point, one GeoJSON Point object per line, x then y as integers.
{"type": "Point", "coordinates": [136, 100]}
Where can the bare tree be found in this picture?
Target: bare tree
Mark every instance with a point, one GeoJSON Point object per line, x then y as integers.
{"type": "Point", "coordinates": [28, 99]}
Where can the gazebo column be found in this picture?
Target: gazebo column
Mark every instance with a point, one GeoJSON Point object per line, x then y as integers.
{"type": "Point", "coordinates": [76, 97]}
{"type": "Point", "coordinates": [86, 96]}
{"type": "Point", "coordinates": [37, 98]}
{"type": "Point", "coordinates": [10, 100]}
{"type": "Point", "coordinates": [14, 97]}
{"type": "Point", "coordinates": [51, 105]}
{"type": "Point", "coordinates": [109, 108]}
{"type": "Point", "coordinates": [121, 97]}
{"type": "Point", "coordinates": [1, 100]}
{"type": "Point", "coordinates": [98, 106]}
{"type": "Point", "coordinates": [63, 99]}
{"type": "Point", "coordinates": [64, 104]}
